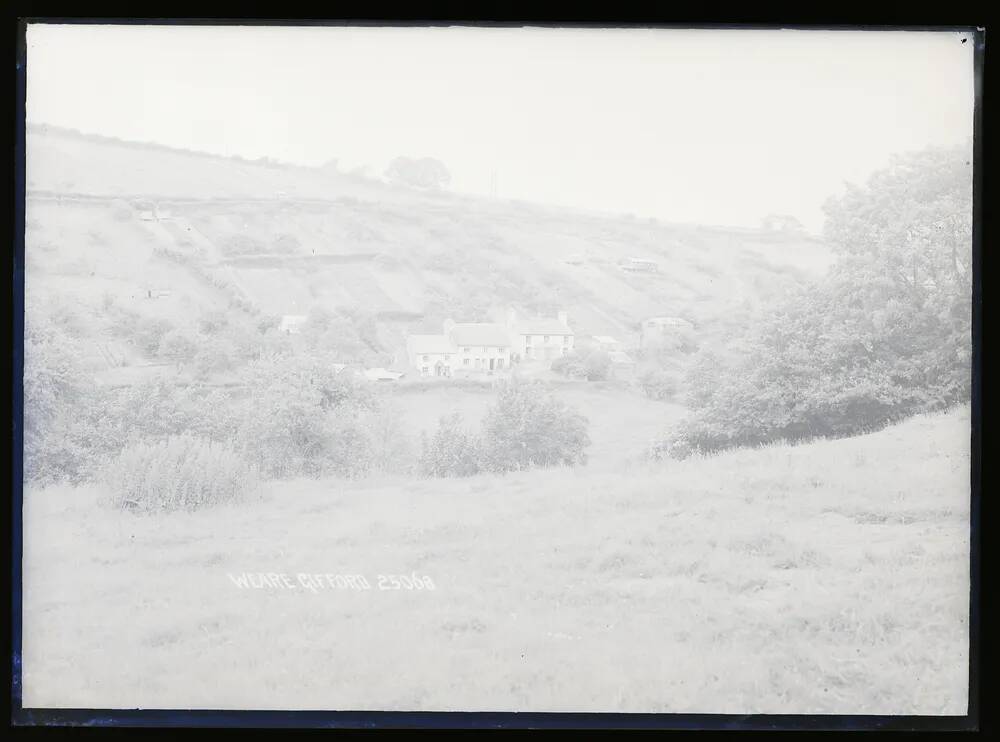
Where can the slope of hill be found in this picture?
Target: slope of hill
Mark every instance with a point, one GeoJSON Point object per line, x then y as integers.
{"type": "Point", "coordinates": [827, 578]}
{"type": "Point", "coordinates": [285, 239]}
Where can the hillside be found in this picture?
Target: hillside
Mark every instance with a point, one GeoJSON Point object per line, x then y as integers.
{"type": "Point", "coordinates": [826, 578]}
{"type": "Point", "coordinates": [273, 239]}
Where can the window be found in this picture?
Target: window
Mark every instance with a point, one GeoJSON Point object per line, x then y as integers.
{"type": "Point", "coordinates": [466, 350]}
{"type": "Point", "coordinates": [499, 362]}
{"type": "Point", "coordinates": [527, 339]}
{"type": "Point", "coordinates": [427, 358]}
{"type": "Point", "coordinates": [424, 370]}
{"type": "Point", "coordinates": [484, 349]}
{"type": "Point", "coordinates": [565, 339]}
{"type": "Point", "coordinates": [546, 338]}
{"type": "Point", "coordinates": [447, 357]}
{"type": "Point", "coordinates": [465, 361]}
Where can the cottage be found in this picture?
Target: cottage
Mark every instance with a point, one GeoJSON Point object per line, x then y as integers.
{"type": "Point", "coordinates": [467, 346]}
{"type": "Point", "coordinates": [540, 339]}
{"type": "Point", "coordinates": [433, 355]}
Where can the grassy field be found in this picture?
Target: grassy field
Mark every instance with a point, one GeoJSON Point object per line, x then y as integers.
{"type": "Point", "coordinates": [825, 578]}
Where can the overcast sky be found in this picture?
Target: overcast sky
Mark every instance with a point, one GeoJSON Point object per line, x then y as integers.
{"type": "Point", "coordinates": [715, 127]}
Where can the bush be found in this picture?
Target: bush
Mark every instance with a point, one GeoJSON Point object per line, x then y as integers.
{"type": "Point", "coordinates": [529, 428]}
{"type": "Point", "coordinates": [180, 473]}
{"type": "Point", "coordinates": [55, 400]}
{"type": "Point", "coordinates": [302, 418]}
{"type": "Point", "coordinates": [658, 384]}
{"type": "Point", "coordinates": [148, 333]}
{"type": "Point", "coordinates": [242, 244]}
{"type": "Point", "coordinates": [884, 335]}
{"type": "Point", "coordinates": [570, 365]}
{"type": "Point", "coordinates": [452, 452]}
{"type": "Point", "coordinates": [597, 365]}
{"type": "Point", "coordinates": [178, 348]}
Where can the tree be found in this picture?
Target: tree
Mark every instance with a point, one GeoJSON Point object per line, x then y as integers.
{"type": "Point", "coordinates": [178, 347]}
{"type": "Point", "coordinates": [528, 428]}
{"type": "Point", "coordinates": [425, 172]}
{"type": "Point", "coordinates": [886, 334]}
{"type": "Point", "coordinates": [453, 451]}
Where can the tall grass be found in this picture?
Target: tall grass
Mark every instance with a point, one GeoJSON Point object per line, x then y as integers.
{"type": "Point", "coordinates": [182, 472]}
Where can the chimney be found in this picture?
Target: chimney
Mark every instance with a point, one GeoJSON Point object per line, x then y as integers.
{"type": "Point", "coordinates": [563, 317]}
{"type": "Point", "coordinates": [511, 318]}
{"type": "Point", "coordinates": [448, 324]}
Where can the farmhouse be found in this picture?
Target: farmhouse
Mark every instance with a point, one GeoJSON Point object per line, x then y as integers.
{"type": "Point", "coordinates": [468, 346]}
{"type": "Point", "coordinates": [662, 331]}
{"type": "Point", "coordinates": [540, 339]}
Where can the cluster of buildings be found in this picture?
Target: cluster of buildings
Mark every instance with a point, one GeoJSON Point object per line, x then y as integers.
{"type": "Point", "coordinates": [464, 348]}
{"type": "Point", "coordinates": [489, 346]}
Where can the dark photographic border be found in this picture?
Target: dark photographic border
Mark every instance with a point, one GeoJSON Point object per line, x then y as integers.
{"type": "Point", "coordinates": [180, 718]}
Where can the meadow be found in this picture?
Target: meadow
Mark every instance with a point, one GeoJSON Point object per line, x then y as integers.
{"type": "Point", "coordinates": [829, 577]}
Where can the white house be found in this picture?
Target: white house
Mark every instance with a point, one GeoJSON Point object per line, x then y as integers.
{"type": "Point", "coordinates": [468, 346]}
{"type": "Point", "coordinates": [433, 355]}
{"type": "Point", "coordinates": [545, 338]}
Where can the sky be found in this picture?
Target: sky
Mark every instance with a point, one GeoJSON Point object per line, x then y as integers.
{"type": "Point", "coordinates": [698, 126]}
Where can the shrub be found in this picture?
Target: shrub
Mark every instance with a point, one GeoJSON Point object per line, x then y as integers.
{"type": "Point", "coordinates": [149, 332]}
{"type": "Point", "coordinates": [658, 384]}
{"type": "Point", "coordinates": [178, 347]}
{"type": "Point", "coordinates": [242, 244]}
{"type": "Point", "coordinates": [55, 400]}
{"type": "Point", "coordinates": [884, 335]}
{"type": "Point", "coordinates": [183, 472]}
{"type": "Point", "coordinates": [528, 427]}
{"type": "Point", "coordinates": [570, 365]}
{"type": "Point", "coordinates": [302, 418]}
{"type": "Point", "coordinates": [214, 358]}
{"type": "Point", "coordinates": [286, 243]}
{"type": "Point", "coordinates": [597, 365]}
{"type": "Point", "coordinates": [452, 451]}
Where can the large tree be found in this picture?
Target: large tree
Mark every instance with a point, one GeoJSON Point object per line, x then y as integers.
{"type": "Point", "coordinates": [885, 334]}
{"type": "Point", "coordinates": [424, 172]}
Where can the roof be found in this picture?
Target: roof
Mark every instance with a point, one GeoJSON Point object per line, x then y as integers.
{"type": "Point", "coordinates": [429, 344]}
{"type": "Point", "coordinates": [550, 326]}
{"type": "Point", "coordinates": [485, 333]}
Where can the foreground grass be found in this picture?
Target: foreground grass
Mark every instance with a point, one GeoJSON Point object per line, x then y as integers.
{"type": "Point", "coordinates": [826, 578]}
